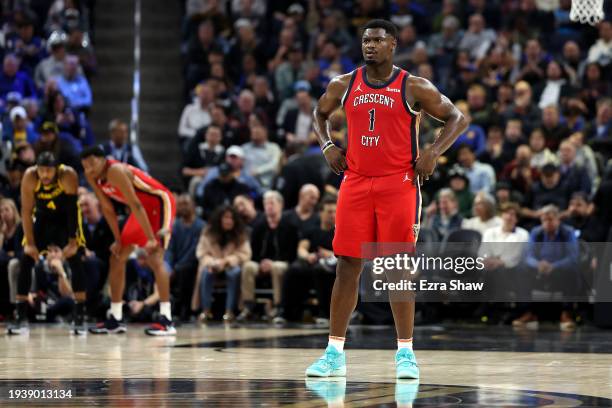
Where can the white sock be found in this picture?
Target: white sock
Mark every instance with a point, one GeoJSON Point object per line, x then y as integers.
{"type": "Point", "coordinates": [337, 342]}
{"type": "Point", "coordinates": [164, 310]}
{"type": "Point", "coordinates": [404, 343]}
{"type": "Point", "coordinates": [117, 310]}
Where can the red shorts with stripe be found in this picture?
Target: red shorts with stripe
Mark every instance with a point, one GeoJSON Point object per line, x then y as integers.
{"type": "Point", "coordinates": [382, 210]}
{"type": "Point", "coordinates": [161, 209]}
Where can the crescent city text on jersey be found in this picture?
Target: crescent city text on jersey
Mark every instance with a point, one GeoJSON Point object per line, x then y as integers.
{"type": "Point", "coordinates": [374, 98]}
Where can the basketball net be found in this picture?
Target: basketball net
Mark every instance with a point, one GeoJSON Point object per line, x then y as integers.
{"type": "Point", "coordinates": [587, 11]}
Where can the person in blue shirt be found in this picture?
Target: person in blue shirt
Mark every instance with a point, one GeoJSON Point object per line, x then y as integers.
{"type": "Point", "coordinates": [181, 254]}
{"type": "Point", "coordinates": [26, 45]}
{"type": "Point", "coordinates": [474, 135]}
{"type": "Point", "coordinates": [13, 80]}
{"type": "Point", "coordinates": [551, 262]}
{"type": "Point", "coordinates": [74, 86]}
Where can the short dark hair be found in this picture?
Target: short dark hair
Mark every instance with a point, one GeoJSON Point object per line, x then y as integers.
{"type": "Point", "coordinates": [96, 151]}
{"type": "Point", "coordinates": [386, 25]}
{"type": "Point", "coordinates": [46, 159]}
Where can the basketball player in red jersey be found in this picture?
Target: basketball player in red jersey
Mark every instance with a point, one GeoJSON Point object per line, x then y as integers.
{"type": "Point", "coordinates": [379, 199]}
{"type": "Point", "coordinates": [149, 225]}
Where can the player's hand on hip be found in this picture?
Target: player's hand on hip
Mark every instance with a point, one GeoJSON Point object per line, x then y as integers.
{"type": "Point", "coordinates": [31, 251]}
{"type": "Point", "coordinates": [152, 246]}
{"type": "Point", "coordinates": [115, 249]}
{"type": "Point", "coordinates": [71, 249]}
{"type": "Point", "coordinates": [335, 159]}
{"type": "Point", "coordinates": [425, 165]}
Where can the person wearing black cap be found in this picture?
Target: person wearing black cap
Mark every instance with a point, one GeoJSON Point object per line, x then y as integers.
{"type": "Point", "coordinates": [62, 149]}
{"type": "Point", "coordinates": [51, 217]}
{"type": "Point", "coordinates": [549, 190]}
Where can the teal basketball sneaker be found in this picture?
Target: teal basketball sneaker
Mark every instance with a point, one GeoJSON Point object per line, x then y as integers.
{"type": "Point", "coordinates": [331, 364]}
{"type": "Point", "coordinates": [406, 364]}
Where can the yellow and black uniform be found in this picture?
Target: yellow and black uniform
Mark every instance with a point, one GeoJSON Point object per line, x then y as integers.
{"type": "Point", "coordinates": [55, 222]}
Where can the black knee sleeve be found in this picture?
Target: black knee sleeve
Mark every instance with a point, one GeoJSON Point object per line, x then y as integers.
{"type": "Point", "coordinates": [78, 272]}
{"type": "Point", "coordinates": [24, 279]}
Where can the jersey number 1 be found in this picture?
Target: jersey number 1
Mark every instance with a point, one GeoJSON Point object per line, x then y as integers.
{"type": "Point", "coordinates": [372, 113]}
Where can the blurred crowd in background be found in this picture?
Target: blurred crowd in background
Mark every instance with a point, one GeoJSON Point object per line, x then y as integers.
{"type": "Point", "coordinates": [256, 212]}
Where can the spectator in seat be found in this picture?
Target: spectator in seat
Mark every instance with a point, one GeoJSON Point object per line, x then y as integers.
{"type": "Point", "coordinates": [581, 216]}
{"type": "Point", "coordinates": [513, 138]}
{"type": "Point", "coordinates": [198, 49]}
{"type": "Point", "coordinates": [25, 45]}
{"type": "Point", "coordinates": [52, 280]}
{"type": "Point", "coordinates": [204, 151]}
{"type": "Point", "coordinates": [245, 207]}
{"type": "Point", "coordinates": [222, 190]}
{"type": "Point", "coordinates": [481, 175]}
{"type": "Point", "coordinates": [554, 130]}
{"type": "Point", "coordinates": [98, 238]}
{"type": "Point", "coordinates": [523, 107]}
{"type": "Point", "coordinates": [332, 62]}
{"type": "Point", "coordinates": [262, 157]}
{"type": "Point", "coordinates": [196, 115]}
{"type": "Point", "coordinates": [549, 190]}
{"type": "Point", "coordinates": [13, 80]}
{"type": "Point", "coordinates": [503, 247]}
{"type": "Point", "coordinates": [74, 86]}
{"type": "Point", "coordinates": [444, 217]}
{"type": "Point", "coordinates": [302, 167]}
{"type": "Point", "coordinates": [297, 124]}
{"type": "Point", "coordinates": [601, 127]}
{"type": "Point", "coordinates": [274, 241]}
{"type": "Point", "coordinates": [551, 260]}
{"type": "Point", "coordinates": [63, 149]}
{"type": "Point", "coordinates": [53, 65]}
{"type": "Point", "coordinates": [533, 66]}
{"type": "Point", "coordinates": [594, 87]}
{"type": "Point", "coordinates": [555, 87]}
{"type": "Point", "coordinates": [541, 154]}
{"type": "Point", "coordinates": [460, 184]}
{"type": "Point", "coordinates": [519, 171]}
{"type": "Point", "coordinates": [483, 212]}
{"type": "Point", "coordinates": [480, 111]}
{"type": "Point", "coordinates": [575, 177]}
{"type": "Point", "coordinates": [304, 215]}
{"type": "Point", "coordinates": [240, 117]}
{"type": "Point", "coordinates": [477, 39]}
{"type": "Point", "coordinates": [120, 147]}
{"type": "Point", "coordinates": [441, 46]}
{"type": "Point", "coordinates": [504, 195]}
{"type": "Point", "coordinates": [181, 254]}
{"type": "Point", "coordinates": [315, 268]}
{"type": "Point", "coordinates": [21, 130]}
{"type": "Point", "coordinates": [234, 156]}
{"type": "Point", "coordinates": [494, 149]}
{"type": "Point", "coordinates": [585, 157]}
{"type": "Point", "coordinates": [219, 118]}
{"type": "Point", "coordinates": [223, 248]}
{"type": "Point", "coordinates": [289, 72]}
{"type": "Point", "coordinates": [601, 51]}
{"type": "Point", "coordinates": [474, 135]}
{"type": "Point", "coordinates": [11, 235]}
{"type": "Point", "coordinates": [78, 44]}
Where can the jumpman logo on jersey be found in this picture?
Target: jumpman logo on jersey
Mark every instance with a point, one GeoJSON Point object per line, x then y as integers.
{"type": "Point", "coordinates": [51, 205]}
{"type": "Point", "coordinates": [406, 178]}
{"type": "Point", "coordinates": [358, 88]}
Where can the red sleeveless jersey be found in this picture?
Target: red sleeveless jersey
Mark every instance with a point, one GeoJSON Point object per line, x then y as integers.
{"type": "Point", "coordinates": [382, 129]}
{"type": "Point", "coordinates": [144, 185]}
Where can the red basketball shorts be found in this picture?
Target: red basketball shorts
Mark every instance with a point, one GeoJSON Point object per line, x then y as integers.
{"type": "Point", "coordinates": [380, 210]}
{"type": "Point", "coordinates": [161, 209]}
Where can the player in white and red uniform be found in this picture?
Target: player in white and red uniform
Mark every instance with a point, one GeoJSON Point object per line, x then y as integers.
{"type": "Point", "coordinates": [149, 226]}
{"type": "Point", "coordinates": [378, 201]}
